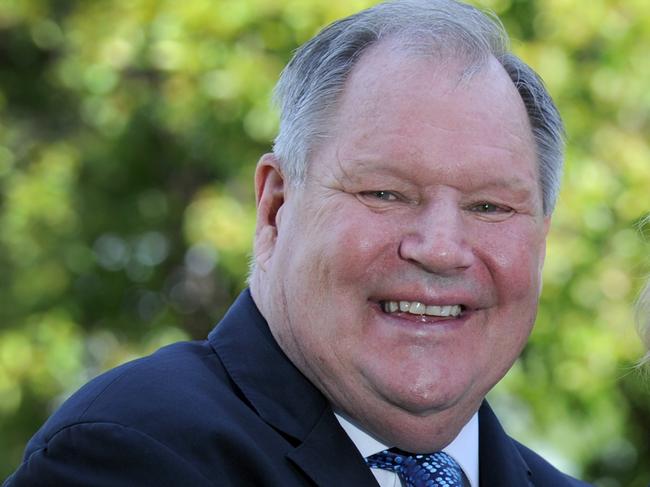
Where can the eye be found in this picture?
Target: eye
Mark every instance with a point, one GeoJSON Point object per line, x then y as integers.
{"type": "Point", "coordinates": [487, 208]}
{"type": "Point", "coordinates": [491, 211]}
{"type": "Point", "coordinates": [381, 195]}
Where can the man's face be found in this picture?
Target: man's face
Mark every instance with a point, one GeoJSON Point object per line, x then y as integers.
{"type": "Point", "coordinates": [403, 276]}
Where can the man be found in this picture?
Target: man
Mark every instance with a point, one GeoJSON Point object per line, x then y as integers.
{"type": "Point", "coordinates": [398, 252]}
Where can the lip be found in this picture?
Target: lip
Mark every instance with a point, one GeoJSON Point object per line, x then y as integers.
{"type": "Point", "coordinates": [420, 324]}
{"type": "Point", "coordinates": [468, 301]}
{"type": "Point", "coordinates": [421, 311]}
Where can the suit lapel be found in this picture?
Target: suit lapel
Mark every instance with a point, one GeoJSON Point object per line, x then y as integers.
{"type": "Point", "coordinates": [329, 457]}
{"type": "Point", "coordinates": [500, 463]}
{"type": "Point", "coordinates": [285, 399]}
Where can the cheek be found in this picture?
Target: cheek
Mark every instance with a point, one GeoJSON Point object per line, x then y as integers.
{"type": "Point", "coordinates": [514, 258]}
{"type": "Point", "coordinates": [326, 257]}
{"type": "Point", "coordinates": [356, 245]}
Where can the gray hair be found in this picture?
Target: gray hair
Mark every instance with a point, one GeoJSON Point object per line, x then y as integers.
{"type": "Point", "coordinates": [311, 84]}
{"type": "Point", "coordinates": [642, 311]}
{"type": "Point", "coordinates": [643, 320]}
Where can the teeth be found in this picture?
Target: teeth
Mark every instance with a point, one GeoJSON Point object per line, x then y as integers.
{"type": "Point", "coordinates": [417, 308]}
{"type": "Point", "coordinates": [434, 310]}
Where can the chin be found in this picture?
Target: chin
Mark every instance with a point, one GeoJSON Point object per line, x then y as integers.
{"type": "Point", "coordinates": [422, 392]}
{"type": "Point", "coordinates": [426, 403]}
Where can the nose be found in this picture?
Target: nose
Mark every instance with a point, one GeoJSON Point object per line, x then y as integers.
{"type": "Point", "coordinates": [438, 240]}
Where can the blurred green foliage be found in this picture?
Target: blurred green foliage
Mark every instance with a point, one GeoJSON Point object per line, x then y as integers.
{"type": "Point", "coordinates": [129, 130]}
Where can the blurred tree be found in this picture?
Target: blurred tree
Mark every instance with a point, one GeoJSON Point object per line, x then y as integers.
{"type": "Point", "coordinates": [129, 130]}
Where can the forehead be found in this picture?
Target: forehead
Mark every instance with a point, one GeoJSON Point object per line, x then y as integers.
{"type": "Point", "coordinates": [411, 85]}
{"type": "Point", "coordinates": [419, 112]}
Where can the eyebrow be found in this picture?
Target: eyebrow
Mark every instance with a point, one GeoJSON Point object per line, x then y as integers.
{"type": "Point", "coordinates": [512, 183]}
{"type": "Point", "coordinates": [362, 167]}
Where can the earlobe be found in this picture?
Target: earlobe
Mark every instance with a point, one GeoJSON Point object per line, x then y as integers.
{"type": "Point", "coordinates": [270, 195]}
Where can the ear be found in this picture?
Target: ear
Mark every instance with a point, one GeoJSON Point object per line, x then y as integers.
{"type": "Point", "coordinates": [269, 194]}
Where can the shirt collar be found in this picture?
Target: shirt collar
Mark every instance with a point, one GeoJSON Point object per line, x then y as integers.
{"type": "Point", "coordinates": [463, 449]}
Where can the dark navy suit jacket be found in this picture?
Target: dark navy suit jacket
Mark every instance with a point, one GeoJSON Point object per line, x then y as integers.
{"type": "Point", "coordinates": [228, 411]}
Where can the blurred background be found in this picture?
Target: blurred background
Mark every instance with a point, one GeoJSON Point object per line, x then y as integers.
{"type": "Point", "coordinates": [129, 130]}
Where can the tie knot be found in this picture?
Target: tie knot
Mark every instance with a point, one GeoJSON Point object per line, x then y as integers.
{"type": "Point", "coordinates": [427, 470]}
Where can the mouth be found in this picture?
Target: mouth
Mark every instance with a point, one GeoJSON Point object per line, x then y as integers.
{"type": "Point", "coordinates": [422, 309]}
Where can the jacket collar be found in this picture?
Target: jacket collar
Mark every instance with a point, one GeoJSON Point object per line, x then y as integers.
{"type": "Point", "coordinates": [286, 399]}
{"type": "Point", "coordinates": [500, 463]}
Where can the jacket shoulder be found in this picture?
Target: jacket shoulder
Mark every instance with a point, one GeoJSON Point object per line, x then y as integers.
{"type": "Point", "coordinates": [145, 416]}
{"type": "Point", "coordinates": [543, 473]}
{"type": "Point", "coordinates": [178, 383]}
{"type": "Point", "coordinates": [105, 454]}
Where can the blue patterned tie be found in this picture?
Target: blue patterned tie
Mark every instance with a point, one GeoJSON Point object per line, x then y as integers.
{"type": "Point", "coordinates": [430, 470]}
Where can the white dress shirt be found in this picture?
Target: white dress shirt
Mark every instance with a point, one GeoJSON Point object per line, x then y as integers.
{"type": "Point", "coordinates": [463, 449]}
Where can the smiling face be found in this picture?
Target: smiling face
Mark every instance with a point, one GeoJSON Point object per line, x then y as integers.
{"type": "Point", "coordinates": [402, 277]}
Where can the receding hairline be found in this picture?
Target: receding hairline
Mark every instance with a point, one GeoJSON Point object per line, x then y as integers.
{"type": "Point", "coordinates": [448, 61]}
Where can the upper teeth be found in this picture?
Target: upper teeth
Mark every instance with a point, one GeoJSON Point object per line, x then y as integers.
{"type": "Point", "coordinates": [417, 308]}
